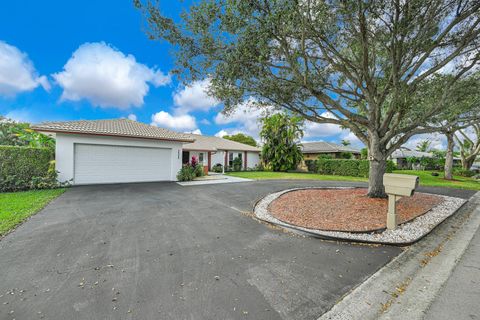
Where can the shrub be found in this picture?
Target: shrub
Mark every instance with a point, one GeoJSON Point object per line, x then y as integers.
{"type": "Point", "coordinates": [347, 167]}
{"type": "Point", "coordinates": [464, 173]}
{"type": "Point", "coordinates": [186, 173]}
{"type": "Point", "coordinates": [259, 167]}
{"type": "Point", "coordinates": [23, 168]}
{"type": "Point", "coordinates": [311, 165]}
{"type": "Point", "coordinates": [390, 166]}
{"type": "Point", "coordinates": [217, 168]}
{"type": "Point", "coordinates": [198, 170]}
{"type": "Point", "coordinates": [346, 155]}
{"type": "Point", "coordinates": [237, 164]}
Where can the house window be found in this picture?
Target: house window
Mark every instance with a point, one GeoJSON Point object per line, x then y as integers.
{"type": "Point", "coordinates": [232, 156]}
{"type": "Point", "coordinates": [200, 157]}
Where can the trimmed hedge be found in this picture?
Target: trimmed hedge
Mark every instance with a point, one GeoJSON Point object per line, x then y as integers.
{"type": "Point", "coordinates": [346, 167]}
{"type": "Point", "coordinates": [23, 168]}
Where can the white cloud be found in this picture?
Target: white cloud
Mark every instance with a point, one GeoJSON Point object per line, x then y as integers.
{"type": "Point", "coordinates": [350, 136]}
{"type": "Point", "coordinates": [17, 73]}
{"type": "Point", "coordinates": [232, 131]}
{"type": "Point", "coordinates": [246, 117]}
{"type": "Point", "coordinates": [180, 122]}
{"type": "Point", "coordinates": [20, 115]}
{"type": "Point", "coordinates": [106, 77]}
{"type": "Point", "coordinates": [222, 133]}
{"type": "Point", "coordinates": [132, 116]}
{"type": "Point", "coordinates": [196, 131]}
{"type": "Point", "coordinates": [194, 97]}
{"type": "Point", "coordinates": [313, 129]}
{"type": "Point", "coordinates": [438, 141]}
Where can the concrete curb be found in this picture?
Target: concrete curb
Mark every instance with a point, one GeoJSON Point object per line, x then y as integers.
{"type": "Point", "coordinates": [406, 287]}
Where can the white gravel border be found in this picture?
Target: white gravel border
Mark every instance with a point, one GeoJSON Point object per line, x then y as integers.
{"type": "Point", "coordinates": [406, 233]}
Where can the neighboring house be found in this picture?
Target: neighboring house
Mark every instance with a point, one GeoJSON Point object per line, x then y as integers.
{"type": "Point", "coordinates": [312, 150]}
{"type": "Point", "coordinates": [115, 151]}
{"type": "Point", "coordinates": [400, 158]}
{"type": "Point", "coordinates": [122, 150]}
{"type": "Point", "coordinates": [214, 150]}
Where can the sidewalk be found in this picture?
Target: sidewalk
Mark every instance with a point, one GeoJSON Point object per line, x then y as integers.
{"type": "Point", "coordinates": [436, 278]}
{"type": "Point", "coordinates": [460, 296]}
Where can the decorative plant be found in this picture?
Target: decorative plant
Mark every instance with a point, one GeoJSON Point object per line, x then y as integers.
{"type": "Point", "coordinates": [194, 161]}
{"type": "Point", "coordinates": [237, 164]}
{"type": "Point", "coordinates": [281, 135]}
{"type": "Point", "coordinates": [186, 173]}
{"type": "Point", "coordinates": [218, 168]}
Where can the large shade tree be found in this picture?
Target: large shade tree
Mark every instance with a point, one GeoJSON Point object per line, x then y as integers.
{"type": "Point", "coordinates": [462, 110]}
{"type": "Point", "coordinates": [469, 145]}
{"type": "Point", "coordinates": [356, 64]}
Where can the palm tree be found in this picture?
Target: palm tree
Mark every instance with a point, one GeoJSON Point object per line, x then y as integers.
{"type": "Point", "coordinates": [424, 145]}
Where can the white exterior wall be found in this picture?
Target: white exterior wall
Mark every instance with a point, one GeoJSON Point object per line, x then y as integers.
{"type": "Point", "coordinates": [218, 157]}
{"type": "Point", "coordinates": [64, 153]}
{"type": "Point", "coordinates": [253, 159]}
{"type": "Point", "coordinates": [197, 155]}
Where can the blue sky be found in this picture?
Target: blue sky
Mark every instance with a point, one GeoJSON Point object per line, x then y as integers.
{"type": "Point", "coordinates": [69, 60]}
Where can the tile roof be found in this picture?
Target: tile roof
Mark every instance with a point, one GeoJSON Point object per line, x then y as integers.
{"type": "Point", "coordinates": [114, 127]}
{"type": "Point", "coordinates": [325, 147]}
{"type": "Point", "coordinates": [407, 153]}
{"type": "Point", "coordinates": [210, 143]}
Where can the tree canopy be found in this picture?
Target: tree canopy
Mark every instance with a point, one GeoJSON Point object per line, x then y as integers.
{"type": "Point", "coordinates": [19, 134]}
{"type": "Point", "coordinates": [242, 138]}
{"type": "Point", "coordinates": [357, 64]}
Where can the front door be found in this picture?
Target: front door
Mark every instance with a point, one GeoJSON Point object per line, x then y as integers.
{"type": "Point", "coordinates": [185, 157]}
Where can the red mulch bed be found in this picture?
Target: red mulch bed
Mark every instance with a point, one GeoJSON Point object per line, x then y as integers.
{"type": "Point", "coordinates": [345, 209]}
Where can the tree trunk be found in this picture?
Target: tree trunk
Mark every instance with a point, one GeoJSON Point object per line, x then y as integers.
{"type": "Point", "coordinates": [467, 163]}
{"type": "Point", "coordinates": [449, 156]}
{"type": "Point", "coordinates": [378, 166]}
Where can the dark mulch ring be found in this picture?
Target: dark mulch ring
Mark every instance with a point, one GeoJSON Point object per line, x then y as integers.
{"type": "Point", "coordinates": [347, 210]}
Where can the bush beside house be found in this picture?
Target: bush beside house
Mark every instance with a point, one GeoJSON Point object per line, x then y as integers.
{"type": "Point", "coordinates": [343, 167]}
{"type": "Point", "coordinates": [23, 168]}
{"type": "Point", "coordinates": [190, 171]}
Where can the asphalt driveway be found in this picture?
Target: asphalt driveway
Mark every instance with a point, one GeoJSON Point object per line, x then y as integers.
{"type": "Point", "coordinates": [162, 251]}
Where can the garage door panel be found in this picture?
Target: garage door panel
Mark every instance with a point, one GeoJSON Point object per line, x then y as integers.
{"type": "Point", "coordinates": [112, 164]}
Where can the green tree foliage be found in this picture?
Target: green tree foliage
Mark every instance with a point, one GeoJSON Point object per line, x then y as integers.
{"type": "Point", "coordinates": [19, 134]}
{"type": "Point", "coordinates": [281, 136]}
{"type": "Point", "coordinates": [346, 142]}
{"type": "Point", "coordinates": [424, 145]}
{"type": "Point", "coordinates": [357, 64]}
{"type": "Point", "coordinates": [462, 111]}
{"type": "Point", "coordinates": [242, 138]}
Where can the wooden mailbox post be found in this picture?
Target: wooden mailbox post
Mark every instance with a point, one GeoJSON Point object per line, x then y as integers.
{"type": "Point", "coordinates": [397, 186]}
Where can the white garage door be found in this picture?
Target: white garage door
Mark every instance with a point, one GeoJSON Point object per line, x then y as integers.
{"type": "Point", "coordinates": [112, 164]}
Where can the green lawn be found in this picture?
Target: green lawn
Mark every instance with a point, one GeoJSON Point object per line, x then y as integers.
{"type": "Point", "coordinates": [15, 207]}
{"type": "Point", "coordinates": [426, 179]}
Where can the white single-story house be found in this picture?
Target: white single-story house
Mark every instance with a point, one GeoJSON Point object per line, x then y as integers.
{"type": "Point", "coordinates": [214, 150]}
{"type": "Point", "coordinates": [400, 158]}
{"type": "Point", "coordinates": [122, 150]}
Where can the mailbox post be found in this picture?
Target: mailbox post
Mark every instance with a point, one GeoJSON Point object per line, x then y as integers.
{"type": "Point", "coordinates": [397, 186]}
